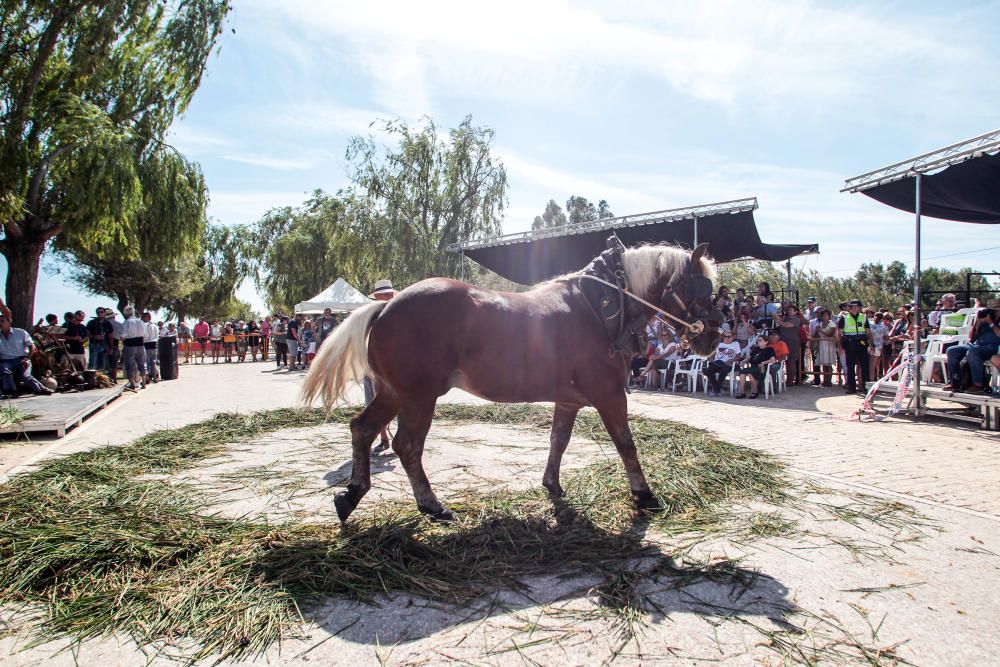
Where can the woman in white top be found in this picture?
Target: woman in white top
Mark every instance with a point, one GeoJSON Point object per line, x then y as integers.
{"type": "Point", "coordinates": [826, 354]}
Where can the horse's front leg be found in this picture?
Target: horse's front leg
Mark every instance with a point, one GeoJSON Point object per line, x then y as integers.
{"type": "Point", "coordinates": [614, 414]}
{"type": "Point", "coordinates": [562, 428]}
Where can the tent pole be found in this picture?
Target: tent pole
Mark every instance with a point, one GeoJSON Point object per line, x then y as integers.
{"type": "Point", "coordinates": [916, 302]}
{"type": "Point", "coordinates": [695, 244]}
{"type": "Point", "coordinates": [788, 270]}
{"type": "Point", "coordinates": [462, 269]}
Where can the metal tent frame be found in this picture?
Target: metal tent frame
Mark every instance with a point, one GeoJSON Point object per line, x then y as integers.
{"type": "Point", "coordinates": [915, 167]}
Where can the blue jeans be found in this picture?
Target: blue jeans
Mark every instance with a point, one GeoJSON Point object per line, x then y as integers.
{"type": "Point", "coordinates": [98, 357]}
{"type": "Point", "coordinates": [13, 374]}
{"type": "Point", "coordinates": [975, 355]}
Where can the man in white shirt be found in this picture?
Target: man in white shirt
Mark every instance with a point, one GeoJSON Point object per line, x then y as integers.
{"type": "Point", "coordinates": [151, 334]}
{"type": "Point", "coordinates": [133, 352]}
{"type": "Point", "coordinates": [718, 369]}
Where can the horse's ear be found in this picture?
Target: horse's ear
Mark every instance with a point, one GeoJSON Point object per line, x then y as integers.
{"type": "Point", "coordinates": [699, 252]}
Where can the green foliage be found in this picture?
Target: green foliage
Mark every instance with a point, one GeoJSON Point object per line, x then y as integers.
{"type": "Point", "coordinates": [580, 209]}
{"type": "Point", "coordinates": [420, 196]}
{"type": "Point", "coordinates": [874, 284]}
{"type": "Point", "coordinates": [552, 217]}
{"type": "Point", "coordinates": [299, 251]}
{"type": "Point", "coordinates": [87, 90]}
{"type": "Point", "coordinates": [220, 267]}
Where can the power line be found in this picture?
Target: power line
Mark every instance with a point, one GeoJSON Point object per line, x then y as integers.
{"type": "Point", "coordinates": [967, 252]}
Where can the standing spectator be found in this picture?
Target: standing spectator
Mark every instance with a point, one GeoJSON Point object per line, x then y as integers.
{"type": "Point", "coordinates": [382, 291]}
{"type": "Point", "coordinates": [228, 341]}
{"type": "Point", "coordinates": [325, 326]}
{"type": "Point", "coordinates": [293, 339]}
{"type": "Point", "coordinates": [279, 332]}
{"type": "Point", "coordinates": [810, 311]}
{"type": "Point", "coordinates": [878, 343]}
{"type": "Point", "coordinates": [201, 332]}
{"type": "Point", "coordinates": [16, 348]}
{"type": "Point", "coordinates": [308, 342]}
{"type": "Point", "coordinates": [113, 346]}
{"type": "Point", "coordinates": [764, 290]}
{"type": "Point", "coordinates": [184, 339]}
{"type": "Point", "coordinates": [242, 342]}
{"type": "Point", "coordinates": [718, 369]}
{"type": "Point", "coordinates": [98, 329]}
{"type": "Point", "coordinates": [855, 339]}
{"type": "Point", "coordinates": [265, 337]}
{"type": "Point", "coordinates": [150, 337]}
{"type": "Point", "coordinates": [215, 338]}
{"type": "Point", "coordinates": [134, 352]}
{"type": "Point", "coordinates": [75, 334]}
{"type": "Point", "coordinates": [826, 349]}
{"type": "Point", "coordinates": [253, 338]}
{"type": "Point", "coordinates": [788, 330]}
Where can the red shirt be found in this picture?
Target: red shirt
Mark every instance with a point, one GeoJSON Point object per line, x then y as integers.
{"type": "Point", "coordinates": [780, 350]}
{"type": "Point", "coordinates": [201, 330]}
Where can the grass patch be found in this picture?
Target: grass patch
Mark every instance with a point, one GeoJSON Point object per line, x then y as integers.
{"type": "Point", "coordinates": [99, 542]}
{"type": "Point", "coordinates": [11, 415]}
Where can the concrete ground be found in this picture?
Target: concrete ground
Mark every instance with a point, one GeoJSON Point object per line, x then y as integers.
{"type": "Point", "coordinates": [933, 601]}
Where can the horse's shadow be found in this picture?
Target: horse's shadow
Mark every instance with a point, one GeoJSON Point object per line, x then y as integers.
{"type": "Point", "coordinates": [441, 579]}
{"type": "Point", "coordinates": [341, 475]}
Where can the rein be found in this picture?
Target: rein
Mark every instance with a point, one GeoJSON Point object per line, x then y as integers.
{"type": "Point", "coordinates": [695, 327]}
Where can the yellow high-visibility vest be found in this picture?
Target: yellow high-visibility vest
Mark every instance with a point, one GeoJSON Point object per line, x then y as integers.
{"type": "Point", "coordinates": [854, 327]}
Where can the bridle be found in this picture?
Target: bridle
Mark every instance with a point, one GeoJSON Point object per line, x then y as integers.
{"type": "Point", "coordinates": [690, 294]}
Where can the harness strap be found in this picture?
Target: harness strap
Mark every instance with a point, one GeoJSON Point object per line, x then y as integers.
{"type": "Point", "coordinates": [695, 327]}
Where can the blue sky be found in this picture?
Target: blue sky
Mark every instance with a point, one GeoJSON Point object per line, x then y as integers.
{"type": "Point", "coordinates": [649, 105]}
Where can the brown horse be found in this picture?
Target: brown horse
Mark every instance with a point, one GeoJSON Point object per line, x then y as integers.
{"type": "Point", "coordinates": [547, 344]}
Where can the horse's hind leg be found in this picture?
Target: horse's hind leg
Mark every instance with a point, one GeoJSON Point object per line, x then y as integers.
{"type": "Point", "coordinates": [562, 428]}
{"type": "Point", "coordinates": [364, 428]}
{"type": "Point", "coordinates": [414, 423]}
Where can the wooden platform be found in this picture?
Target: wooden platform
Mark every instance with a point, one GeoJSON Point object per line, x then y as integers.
{"type": "Point", "coordinates": [978, 408]}
{"type": "Point", "coordinates": [61, 412]}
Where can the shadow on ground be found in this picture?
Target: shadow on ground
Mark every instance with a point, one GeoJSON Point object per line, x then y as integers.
{"type": "Point", "coordinates": [398, 578]}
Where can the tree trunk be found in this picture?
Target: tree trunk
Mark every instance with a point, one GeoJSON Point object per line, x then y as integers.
{"type": "Point", "coordinates": [22, 278]}
{"type": "Point", "coordinates": [122, 301]}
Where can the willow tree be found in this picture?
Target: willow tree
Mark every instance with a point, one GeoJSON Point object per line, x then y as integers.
{"type": "Point", "coordinates": [422, 194]}
{"type": "Point", "coordinates": [158, 262]}
{"type": "Point", "coordinates": [87, 90]}
{"type": "Point", "coordinates": [300, 250]}
{"type": "Point", "coordinates": [219, 269]}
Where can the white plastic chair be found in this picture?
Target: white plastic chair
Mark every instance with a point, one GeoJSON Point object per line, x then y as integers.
{"type": "Point", "coordinates": [664, 372]}
{"type": "Point", "coordinates": [689, 367]}
{"type": "Point", "coordinates": [774, 372]}
{"type": "Point", "coordinates": [936, 355]}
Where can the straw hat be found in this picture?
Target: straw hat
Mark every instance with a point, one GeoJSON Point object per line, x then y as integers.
{"type": "Point", "coordinates": [383, 287]}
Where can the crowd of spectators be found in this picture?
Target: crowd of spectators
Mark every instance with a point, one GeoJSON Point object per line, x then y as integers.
{"type": "Point", "coordinates": [850, 342]}
{"type": "Point", "coordinates": [132, 347]}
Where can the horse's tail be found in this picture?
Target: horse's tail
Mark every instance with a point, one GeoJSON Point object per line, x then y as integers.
{"type": "Point", "coordinates": [343, 357]}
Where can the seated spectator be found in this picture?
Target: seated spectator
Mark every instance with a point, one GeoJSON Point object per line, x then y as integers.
{"type": "Point", "coordinates": [754, 368]}
{"type": "Point", "coordinates": [666, 350]}
{"type": "Point", "coordinates": [16, 348]}
{"type": "Point", "coordinates": [780, 348]}
{"type": "Point", "coordinates": [764, 290]}
{"type": "Point", "coordinates": [741, 301]}
{"type": "Point", "coordinates": [945, 305]}
{"type": "Point", "coordinates": [744, 330]}
{"type": "Point", "coordinates": [718, 369]}
{"type": "Point", "coordinates": [984, 340]}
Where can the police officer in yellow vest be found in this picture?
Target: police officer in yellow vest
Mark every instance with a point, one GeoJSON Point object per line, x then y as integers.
{"type": "Point", "coordinates": [855, 339]}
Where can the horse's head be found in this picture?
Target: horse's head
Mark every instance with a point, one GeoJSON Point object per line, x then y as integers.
{"type": "Point", "coordinates": [681, 284]}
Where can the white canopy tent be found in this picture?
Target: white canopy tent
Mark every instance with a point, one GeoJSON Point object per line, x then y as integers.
{"type": "Point", "coordinates": [340, 297]}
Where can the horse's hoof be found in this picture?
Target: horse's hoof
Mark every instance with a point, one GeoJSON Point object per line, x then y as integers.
{"type": "Point", "coordinates": [344, 504]}
{"type": "Point", "coordinates": [647, 502]}
{"type": "Point", "coordinates": [555, 490]}
{"type": "Point", "coordinates": [440, 515]}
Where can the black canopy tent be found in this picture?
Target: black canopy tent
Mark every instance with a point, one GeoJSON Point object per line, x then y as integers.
{"type": "Point", "coordinates": [960, 182]}
{"type": "Point", "coordinates": [728, 227]}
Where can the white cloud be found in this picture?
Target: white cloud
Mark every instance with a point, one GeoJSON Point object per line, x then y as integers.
{"type": "Point", "coordinates": [766, 53]}
{"type": "Point", "coordinates": [273, 162]}
{"type": "Point", "coordinates": [233, 208]}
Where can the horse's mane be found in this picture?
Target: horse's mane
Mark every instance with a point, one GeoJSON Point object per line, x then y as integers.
{"type": "Point", "coordinates": [646, 264]}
